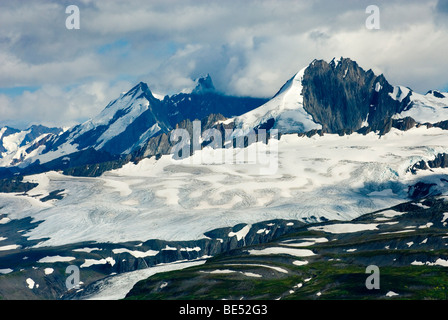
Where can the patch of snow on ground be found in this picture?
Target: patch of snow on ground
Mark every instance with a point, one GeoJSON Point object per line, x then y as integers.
{"type": "Point", "coordinates": [346, 227]}
{"type": "Point", "coordinates": [116, 287]}
{"type": "Point", "coordinates": [278, 269]}
{"type": "Point", "coordinates": [90, 262]}
{"type": "Point", "coordinates": [30, 282]}
{"type": "Point", "coordinates": [136, 253]}
{"type": "Point", "coordinates": [282, 250]}
{"type": "Point", "coordinates": [48, 271]}
{"type": "Point", "coordinates": [53, 259]}
{"type": "Point", "coordinates": [391, 294]}
{"type": "Point", "coordinates": [6, 271]}
{"type": "Point", "coordinates": [10, 247]}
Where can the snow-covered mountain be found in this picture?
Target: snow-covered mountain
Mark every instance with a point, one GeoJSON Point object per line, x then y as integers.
{"type": "Point", "coordinates": [341, 96]}
{"type": "Point", "coordinates": [124, 126]}
{"type": "Point", "coordinates": [19, 145]}
{"type": "Point", "coordinates": [115, 129]}
{"type": "Point", "coordinates": [429, 108]}
{"type": "Point", "coordinates": [285, 109]}
{"type": "Point", "coordinates": [379, 145]}
{"type": "Point", "coordinates": [335, 97]}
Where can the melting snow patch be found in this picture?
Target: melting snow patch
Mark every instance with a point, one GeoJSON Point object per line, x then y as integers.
{"type": "Point", "coordinates": [439, 262]}
{"type": "Point", "coordinates": [306, 242]}
{"type": "Point", "coordinates": [58, 258]}
{"type": "Point", "coordinates": [220, 271]}
{"type": "Point", "coordinates": [378, 87]}
{"type": "Point", "coordinates": [197, 249]}
{"type": "Point", "coordinates": [48, 271]}
{"type": "Point", "coordinates": [116, 287]}
{"type": "Point", "coordinates": [345, 227]}
{"type": "Point", "coordinates": [10, 247]}
{"type": "Point", "coordinates": [5, 271]}
{"type": "Point", "coordinates": [4, 220]}
{"type": "Point", "coordinates": [240, 234]}
{"type": "Point", "coordinates": [163, 285]}
{"type": "Point", "coordinates": [227, 271]}
{"type": "Point", "coordinates": [264, 230]}
{"type": "Point", "coordinates": [251, 274]}
{"type": "Point", "coordinates": [169, 248]}
{"type": "Point", "coordinates": [281, 250]}
{"type": "Point", "coordinates": [400, 231]}
{"type": "Point", "coordinates": [88, 250]}
{"type": "Point", "coordinates": [299, 263]}
{"type": "Point", "coordinates": [391, 294]}
{"type": "Point", "coordinates": [90, 262]}
{"type": "Point", "coordinates": [428, 225]}
{"type": "Point", "coordinates": [259, 265]}
{"type": "Point", "coordinates": [136, 253]}
{"type": "Point", "coordinates": [391, 213]}
{"type": "Point", "coordinates": [30, 282]}
{"type": "Point", "coordinates": [418, 204]}
{"type": "Point", "coordinates": [445, 216]}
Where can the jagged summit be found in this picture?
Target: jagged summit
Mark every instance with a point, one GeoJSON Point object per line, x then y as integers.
{"type": "Point", "coordinates": [436, 94]}
{"type": "Point", "coordinates": [325, 97]}
{"type": "Point", "coordinates": [340, 96]}
{"type": "Point", "coordinates": [138, 90]}
{"type": "Point", "coordinates": [204, 84]}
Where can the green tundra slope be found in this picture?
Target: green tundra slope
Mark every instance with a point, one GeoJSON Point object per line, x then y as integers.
{"type": "Point", "coordinates": [408, 244]}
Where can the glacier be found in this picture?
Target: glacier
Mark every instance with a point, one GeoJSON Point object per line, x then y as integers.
{"type": "Point", "coordinates": [322, 177]}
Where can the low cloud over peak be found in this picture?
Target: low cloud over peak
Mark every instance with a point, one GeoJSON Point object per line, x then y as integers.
{"type": "Point", "coordinates": [250, 47]}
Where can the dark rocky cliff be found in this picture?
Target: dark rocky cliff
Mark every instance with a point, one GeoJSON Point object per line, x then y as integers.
{"type": "Point", "coordinates": [341, 96]}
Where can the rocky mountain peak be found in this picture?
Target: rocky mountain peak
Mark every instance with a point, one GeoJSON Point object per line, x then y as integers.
{"type": "Point", "coordinates": [341, 95]}
{"type": "Point", "coordinates": [204, 84]}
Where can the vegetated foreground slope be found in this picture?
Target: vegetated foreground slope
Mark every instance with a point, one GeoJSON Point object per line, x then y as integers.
{"type": "Point", "coordinates": [408, 243]}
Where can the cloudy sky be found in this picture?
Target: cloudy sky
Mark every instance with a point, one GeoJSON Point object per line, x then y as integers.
{"type": "Point", "coordinates": [59, 77]}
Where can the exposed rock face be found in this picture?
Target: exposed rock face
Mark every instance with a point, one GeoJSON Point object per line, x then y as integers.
{"type": "Point", "coordinates": [201, 104]}
{"type": "Point", "coordinates": [136, 125]}
{"type": "Point", "coordinates": [204, 84]}
{"type": "Point", "coordinates": [341, 96]}
{"type": "Point", "coordinates": [440, 161]}
{"type": "Point", "coordinates": [422, 190]}
{"type": "Point", "coordinates": [162, 144]}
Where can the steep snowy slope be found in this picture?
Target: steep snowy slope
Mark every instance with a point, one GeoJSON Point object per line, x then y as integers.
{"type": "Point", "coordinates": [124, 126]}
{"type": "Point", "coordinates": [16, 146]}
{"type": "Point", "coordinates": [431, 107]}
{"type": "Point", "coordinates": [340, 96]}
{"type": "Point", "coordinates": [285, 108]}
{"type": "Point", "coordinates": [115, 129]}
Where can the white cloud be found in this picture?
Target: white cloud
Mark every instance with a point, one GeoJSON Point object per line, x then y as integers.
{"type": "Point", "coordinates": [52, 105]}
{"type": "Point", "coordinates": [249, 47]}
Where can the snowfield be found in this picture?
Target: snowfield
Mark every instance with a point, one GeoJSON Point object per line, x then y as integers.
{"type": "Point", "coordinates": [331, 176]}
{"type": "Point", "coordinates": [286, 107]}
{"type": "Point", "coordinates": [116, 287]}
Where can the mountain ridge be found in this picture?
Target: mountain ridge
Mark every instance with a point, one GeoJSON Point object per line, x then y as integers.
{"type": "Point", "coordinates": [335, 97]}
